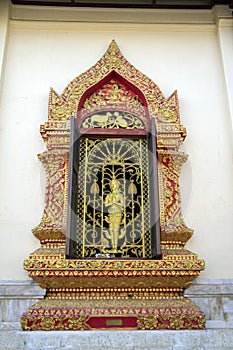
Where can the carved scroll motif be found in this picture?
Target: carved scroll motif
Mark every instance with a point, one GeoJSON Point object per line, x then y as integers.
{"type": "Point", "coordinates": [55, 164]}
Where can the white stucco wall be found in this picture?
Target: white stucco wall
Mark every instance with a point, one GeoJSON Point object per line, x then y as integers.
{"type": "Point", "coordinates": [183, 57]}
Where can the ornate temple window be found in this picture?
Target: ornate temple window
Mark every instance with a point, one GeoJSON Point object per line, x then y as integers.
{"type": "Point", "coordinates": [112, 234]}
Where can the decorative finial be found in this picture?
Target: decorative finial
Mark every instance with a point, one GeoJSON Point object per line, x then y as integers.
{"type": "Point", "coordinates": [113, 47]}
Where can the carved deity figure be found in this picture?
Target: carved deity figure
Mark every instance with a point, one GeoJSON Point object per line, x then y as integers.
{"type": "Point", "coordinates": [115, 202]}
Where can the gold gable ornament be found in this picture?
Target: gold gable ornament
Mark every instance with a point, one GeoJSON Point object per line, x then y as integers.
{"type": "Point", "coordinates": [112, 234]}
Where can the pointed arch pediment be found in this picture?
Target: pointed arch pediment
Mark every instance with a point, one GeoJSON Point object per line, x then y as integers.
{"type": "Point", "coordinates": [113, 103]}
{"type": "Point", "coordinates": [114, 65]}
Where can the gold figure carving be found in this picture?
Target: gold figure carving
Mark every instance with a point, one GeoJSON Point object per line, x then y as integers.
{"type": "Point", "coordinates": [114, 201]}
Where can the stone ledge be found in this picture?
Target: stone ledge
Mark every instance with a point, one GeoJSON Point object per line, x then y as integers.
{"type": "Point", "coordinates": [20, 289]}
{"type": "Point", "coordinates": [202, 287]}
{"type": "Point", "coordinates": [118, 340]}
{"type": "Point", "coordinates": [215, 299]}
{"type": "Point", "coordinates": [217, 324]}
{"type": "Point", "coordinates": [9, 326]}
{"type": "Point", "coordinates": [15, 298]}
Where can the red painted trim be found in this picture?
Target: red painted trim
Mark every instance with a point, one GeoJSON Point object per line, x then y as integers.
{"type": "Point", "coordinates": [111, 75]}
{"type": "Point", "coordinates": [112, 132]}
{"type": "Point", "coordinates": [120, 79]}
{"type": "Point", "coordinates": [102, 322]}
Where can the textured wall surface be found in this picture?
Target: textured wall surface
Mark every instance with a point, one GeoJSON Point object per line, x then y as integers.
{"type": "Point", "coordinates": [192, 58]}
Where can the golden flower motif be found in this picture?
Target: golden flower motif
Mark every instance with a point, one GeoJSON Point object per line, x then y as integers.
{"type": "Point", "coordinates": [24, 323]}
{"type": "Point", "coordinates": [201, 322]}
{"type": "Point", "coordinates": [95, 188]}
{"type": "Point", "coordinates": [78, 323]}
{"type": "Point", "coordinates": [176, 323]}
{"type": "Point", "coordinates": [132, 188]}
{"type": "Point", "coordinates": [47, 323]}
{"type": "Point", "coordinates": [150, 322]}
